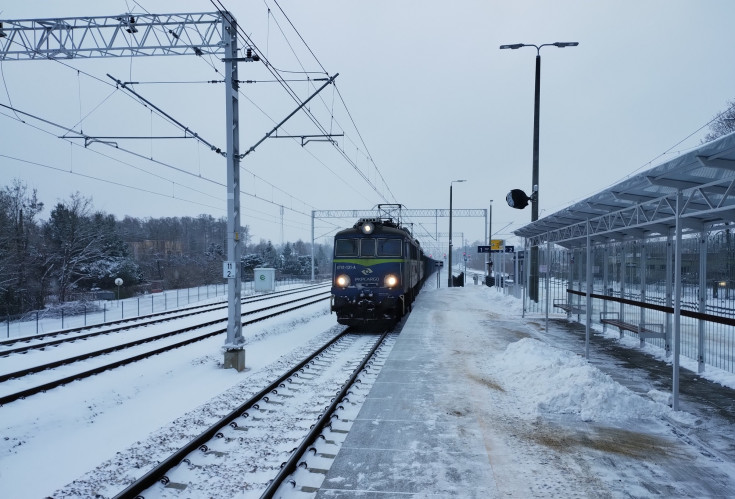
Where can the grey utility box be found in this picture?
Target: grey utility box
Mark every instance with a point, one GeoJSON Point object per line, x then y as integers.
{"type": "Point", "coordinates": [265, 280]}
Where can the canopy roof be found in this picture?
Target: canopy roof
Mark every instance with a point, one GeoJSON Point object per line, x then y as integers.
{"type": "Point", "coordinates": [645, 204]}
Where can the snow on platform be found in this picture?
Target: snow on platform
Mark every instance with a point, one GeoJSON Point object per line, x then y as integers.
{"type": "Point", "coordinates": [476, 402]}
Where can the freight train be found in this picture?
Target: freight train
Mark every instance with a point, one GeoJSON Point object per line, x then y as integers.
{"type": "Point", "coordinates": [377, 271]}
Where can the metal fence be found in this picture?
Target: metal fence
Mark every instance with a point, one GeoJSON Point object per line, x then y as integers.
{"type": "Point", "coordinates": [633, 282]}
{"type": "Point", "coordinates": [99, 312]}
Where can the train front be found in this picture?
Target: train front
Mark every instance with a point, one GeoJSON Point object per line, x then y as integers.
{"type": "Point", "coordinates": [367, 281]}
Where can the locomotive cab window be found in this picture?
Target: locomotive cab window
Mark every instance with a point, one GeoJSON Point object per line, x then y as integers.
{"type": "Point", "coordinates": [345, 247]}
{"type": "Point", "coordinates": [389, 247]}
{"type": "Point", "coordinates": [367, 247]}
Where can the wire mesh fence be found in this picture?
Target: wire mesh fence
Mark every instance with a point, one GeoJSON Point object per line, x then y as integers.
{"type": "Point", "coordinates": [633, 282]}
{"type": "Point", "coordinates": [99, 312]}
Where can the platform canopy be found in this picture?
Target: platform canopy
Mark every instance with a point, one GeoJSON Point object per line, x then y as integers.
{"type": "Point", "coordinates": [644, 204]}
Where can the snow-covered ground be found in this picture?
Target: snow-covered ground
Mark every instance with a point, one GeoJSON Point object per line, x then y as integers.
{"type": "Point", "coordinates": [102, 311]}
{"type": "Point", "coordinates": [480, 403]}
{"type": "Point", "coordinates": [131, 416]}
{"type": "Point", "coordinates": [50, 439]}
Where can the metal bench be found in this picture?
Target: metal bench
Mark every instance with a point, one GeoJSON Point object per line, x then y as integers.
{"type": "Point", "coordinates": [643, 330]}
{"type": "Point", "coordinates": [568, 308]}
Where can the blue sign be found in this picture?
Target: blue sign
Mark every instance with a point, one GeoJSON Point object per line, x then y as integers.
{"type": "Point", "coordinates": [483, 249]}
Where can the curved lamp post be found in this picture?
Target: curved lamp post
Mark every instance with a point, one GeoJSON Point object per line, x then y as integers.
{"type": "Point", "coordinates": [533, 264]}
{"type": "Point", "coordinates": [450, 230]}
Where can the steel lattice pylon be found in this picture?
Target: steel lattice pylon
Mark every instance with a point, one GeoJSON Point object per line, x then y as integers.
{"type": "Point", "coordinates": [124, 35]}
{"type": "Point", "coordinates": [136, 35]}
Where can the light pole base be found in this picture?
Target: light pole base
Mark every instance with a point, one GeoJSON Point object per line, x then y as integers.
{"type": "Point", "coordinates": [235, 359]}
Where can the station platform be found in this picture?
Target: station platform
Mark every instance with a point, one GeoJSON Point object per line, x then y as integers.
{"type": "Point", "coordinates": [440, 421]}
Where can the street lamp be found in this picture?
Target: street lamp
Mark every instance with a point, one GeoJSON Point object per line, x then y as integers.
{"type": "Point", "coordinates": [488, 256]}
{"type": "Point", "coordinates": [533, 264]}
{"type": "Point", "coordinates": [450, 230]}
{"type": "Point", "coordinates": [118, 283]}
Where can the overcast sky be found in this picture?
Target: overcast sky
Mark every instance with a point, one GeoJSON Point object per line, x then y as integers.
{"type": "Point", "coordinates": [432, 97]}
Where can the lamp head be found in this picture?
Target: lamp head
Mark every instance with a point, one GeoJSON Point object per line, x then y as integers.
{"type": "Point", "coordinates": [517, 199]}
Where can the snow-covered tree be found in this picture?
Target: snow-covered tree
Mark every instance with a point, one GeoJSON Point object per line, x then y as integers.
{"type": "Point", "coordinates": [21, 276]}
{"type": "Point", "coordinates": [722, 124]}
{"type": "Point", "coordinates": [83, 247]}
{"type": "Point", "coordinates": [252, 261]}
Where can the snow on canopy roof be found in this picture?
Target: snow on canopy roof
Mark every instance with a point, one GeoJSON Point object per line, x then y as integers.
{"type": "Point", "coordinates": [645, 204]}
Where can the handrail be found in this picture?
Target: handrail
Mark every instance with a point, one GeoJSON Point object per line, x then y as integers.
{"type": "Point", "coordinates": [669, 310]}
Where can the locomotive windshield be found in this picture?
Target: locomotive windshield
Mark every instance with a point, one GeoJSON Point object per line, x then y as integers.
{"type": "Point", "coordinates": [389, 247]}
{"type": "Point", "coordinates": [367, 247]}
{"type": "Point", "coordinates": [345, 247]}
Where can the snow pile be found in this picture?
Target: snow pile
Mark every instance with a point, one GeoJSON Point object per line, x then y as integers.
{"type": "Point", "coordinates": [504, 304]}
{"type": "Point", "coordinates": [544, 379]}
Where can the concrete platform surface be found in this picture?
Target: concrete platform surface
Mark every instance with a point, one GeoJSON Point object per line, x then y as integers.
{"type": "Point", "coordinates": [444, 420]}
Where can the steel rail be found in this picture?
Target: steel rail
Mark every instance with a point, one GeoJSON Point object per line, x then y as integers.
{"type": "Point", "coordinates": [141, 341]}
{"type": "Point", "coordinates": [160, 470]}
{"type": "Point", "coordinates": [213, 306]}
{"type": "Point", "coordinates": [53, 384]}
{"type": "Point", "coordinates": [290, 465]}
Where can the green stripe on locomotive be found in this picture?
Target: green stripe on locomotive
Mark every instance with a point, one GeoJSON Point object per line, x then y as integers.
{"type": "Point", "coordinates": [368, 262]}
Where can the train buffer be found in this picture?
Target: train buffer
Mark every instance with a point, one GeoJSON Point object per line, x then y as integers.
{"type": "Point", "coordinates": [643, 330]}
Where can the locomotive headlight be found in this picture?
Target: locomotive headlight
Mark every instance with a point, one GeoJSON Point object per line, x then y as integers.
{"type": "Point", "coordinates": [367, 228]}
{"type": "Point", "coordinates": [391, 281]}
{"type": "Point", "coordinates": [342, 280]}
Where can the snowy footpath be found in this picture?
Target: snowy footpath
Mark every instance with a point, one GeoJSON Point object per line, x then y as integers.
{"type": "Point", "coordinates": [477, 402]}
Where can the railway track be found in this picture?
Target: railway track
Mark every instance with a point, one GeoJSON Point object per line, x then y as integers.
{"type": "Point", "coordinates": [269, 441]}
{"type": "Point", "coordinates": [45, 340]}
{"type": "Point", "coordinates": [193, 334]}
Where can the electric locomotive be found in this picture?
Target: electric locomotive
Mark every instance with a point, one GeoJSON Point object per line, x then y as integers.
{"type": "Point", "coordinates": [377, 272]}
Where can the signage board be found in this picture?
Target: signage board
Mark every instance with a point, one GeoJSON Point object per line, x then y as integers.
{"type": "Point", "coordinates": [229, 270]}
